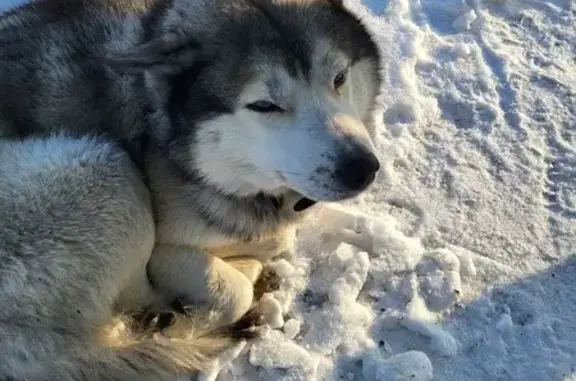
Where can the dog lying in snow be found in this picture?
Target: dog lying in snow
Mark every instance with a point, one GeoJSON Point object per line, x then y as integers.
{"type": "Point", "coordinates": [154, 154]}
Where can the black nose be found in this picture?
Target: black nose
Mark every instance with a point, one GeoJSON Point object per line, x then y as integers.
{"type": "Point", "coordinates": [357, 171]}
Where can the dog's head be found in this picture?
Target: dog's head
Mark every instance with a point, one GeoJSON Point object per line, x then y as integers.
{"type": "Point", "coordinates": [262, 95]}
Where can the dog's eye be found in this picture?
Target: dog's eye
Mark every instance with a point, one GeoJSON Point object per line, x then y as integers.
{"type": "Point", "coordinates": [339, 80]}
{"type": "Point", "coordinates": [264, 107]}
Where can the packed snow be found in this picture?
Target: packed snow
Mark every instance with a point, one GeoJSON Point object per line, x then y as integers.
{"type": "Point", "coordinates": [460, 262]}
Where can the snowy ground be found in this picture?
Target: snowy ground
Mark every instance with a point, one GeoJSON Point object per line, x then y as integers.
{"type": "Point", "coordinates": [460, 264]}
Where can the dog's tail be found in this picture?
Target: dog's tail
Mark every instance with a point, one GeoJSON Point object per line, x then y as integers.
{"type": "Point", "coordinates": [155, 356]}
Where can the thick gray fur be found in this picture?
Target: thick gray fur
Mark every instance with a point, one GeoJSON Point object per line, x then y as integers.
{"type": "Point", "coordinates": [135, 171]}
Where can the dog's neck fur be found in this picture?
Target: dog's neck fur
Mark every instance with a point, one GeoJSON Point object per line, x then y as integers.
{"type": "Point", "coordinates": [185, 198]}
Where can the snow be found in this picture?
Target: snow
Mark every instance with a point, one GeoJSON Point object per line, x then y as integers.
{"type": "Point", "coordinates": [410, 365]}
{"type": "Point", "coordinates": [460, 262]}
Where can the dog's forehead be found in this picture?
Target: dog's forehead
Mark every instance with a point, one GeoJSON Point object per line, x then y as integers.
{"type": "Point", "coordinates": [279, 42]}
{"type": "Point", "coordinates": [279, 77]}
{"type": "Point", "coordinates": [288, 26]}
{"type": "Point", "coordinates": [329, 58]}
{"type": "Point", "coordinates": [280, 62]}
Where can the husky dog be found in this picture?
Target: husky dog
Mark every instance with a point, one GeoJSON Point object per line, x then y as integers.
{"type": "Point", "coordinates": [154, 153]}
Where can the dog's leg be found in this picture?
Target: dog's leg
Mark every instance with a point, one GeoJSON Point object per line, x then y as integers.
{"type": "Point", "coordinates": [264, 279]}
{"type": "Point", "coordinates": [202, 283]}
{"type": "Point", "coordinates": [242, 256]}
{"type": "Point", "coordinates": [217, 282]}
{"type": "Point", "coordinates": [250, 267]}
{"type": "Point", "coordinates": [263, 249]}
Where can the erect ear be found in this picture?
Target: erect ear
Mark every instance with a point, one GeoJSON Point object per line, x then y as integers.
{"type": "Point", "coordinates": [166, 55]}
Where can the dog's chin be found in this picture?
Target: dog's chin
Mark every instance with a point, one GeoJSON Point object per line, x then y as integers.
{"type": "Point", "coordinates": [307, 197]}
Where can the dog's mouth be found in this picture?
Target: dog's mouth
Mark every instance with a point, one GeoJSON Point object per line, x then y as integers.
{"type": "Point", "coordinates": [303, 204]}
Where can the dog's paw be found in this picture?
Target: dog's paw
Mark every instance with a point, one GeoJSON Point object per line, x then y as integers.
{"type": "Point", "coordinates": [162, 321]}
{"type": "Point", "coordinates": [151, 321]}
{"type": "Point", "coordinates": [269, 281]}
{"type": "Point", "coordinates": [249, 327]}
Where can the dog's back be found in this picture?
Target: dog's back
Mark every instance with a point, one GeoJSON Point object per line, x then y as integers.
{"type": "Point", "coordinates": [50, 76]}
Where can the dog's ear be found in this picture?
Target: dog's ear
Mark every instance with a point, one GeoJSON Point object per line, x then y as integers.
{"type": "Point", "coordinates": [165, 55]}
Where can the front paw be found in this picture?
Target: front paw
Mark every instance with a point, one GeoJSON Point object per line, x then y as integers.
{"type": "Point", "coordinates": [269, 281]}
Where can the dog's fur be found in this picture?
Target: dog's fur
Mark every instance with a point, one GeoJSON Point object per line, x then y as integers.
{"type": "Point", "coordinates": [237, 117]}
